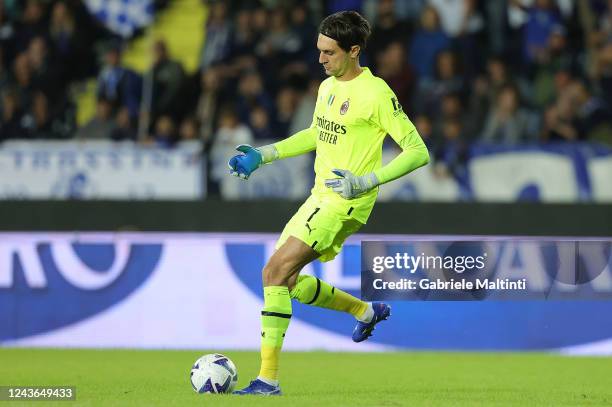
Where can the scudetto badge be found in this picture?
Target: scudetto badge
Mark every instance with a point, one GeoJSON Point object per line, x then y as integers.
{"type": "Point", "coordinates": [344, 107]}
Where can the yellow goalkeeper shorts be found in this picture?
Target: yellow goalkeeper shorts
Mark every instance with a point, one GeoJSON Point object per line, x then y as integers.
{"type": "Point", "coordinates": [321, 227]}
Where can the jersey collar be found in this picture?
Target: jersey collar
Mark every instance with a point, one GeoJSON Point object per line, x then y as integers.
{"type": "Point", "coordinates": [364, 73]}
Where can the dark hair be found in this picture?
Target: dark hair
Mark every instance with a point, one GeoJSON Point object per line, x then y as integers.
{"type": "Point", "coordinates": [348, 28]}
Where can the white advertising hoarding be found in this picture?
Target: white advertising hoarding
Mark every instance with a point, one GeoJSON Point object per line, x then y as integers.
{"type": "Point", "coordinates": [99, 170]}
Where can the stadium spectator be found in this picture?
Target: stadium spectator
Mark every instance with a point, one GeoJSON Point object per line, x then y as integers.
{"type": "Point", "coordinates": [551, 59]}
{"type": "Point", "coordinates": [302, 117]}
{"type": "Point", "coordinates": [10, 123]}
{"type": "Point", "coordinates": [426, 43]}
{"type": "Point", "coordinates": [280, 43]}
{"type": "Point", "coordinates": [458, 17]}
{"type": "Point", "coordinates": [286, 103]}
{"type": "Point", "coordinates": [395, 70]}
{"type": "Point", "coordinates": [38, 123]}
{"type": "Point", "coordinates": [123, 129]}
{"type": "Point", "coordinates": [216, 47]}
{"type": "Point", "coordinates": [450, 109]}
{"type": "Point", "coordinates": [563, 80]}
{"type": "Point", "coordinates": [119, 85]}
{"type": "Point", "coordinates": [164, 132]}
{"type": "Point", "coordinates": [45, 70]}
{"type": "Point", "coordinates": [518, 14]}
{"type": "Point", "coordinates": [260, 21]}
{"type": "Point", "coordinates": [305, 31]}
{"type": "Point", "coordinates": [67, 42]}
{"type": "Point", "coordinates": [100, 126]}
{"type": "Point", "coordinates": [468, 42]}
{"type": "Point", "coordinates": [31, 25]}
{"type": "Point", "coordinates": [558, 125]}
{"type": "Point", "coordinates": [259, 123]}
{"type": "Point", "coordinates": [448, 79]}
{"type": "Point", "coordinates": [230, 133]}
{"type": "Point", "coordinates": [211, 81]}
{"type": "Point", "coordinates": [167, 76]}
{"type": "Point", "coordinates": [527, 18]}
{"type": "Point", "coordinates": [243, 36]}
{"type": "Point", "coordinates": [387, 29]}
{"type": "Point", "coordinates": [424, 126]}
{"type": "Point", "coordinates": [485, 90]}
{"type": "Point", "coordinates": [542, 18]}
{"type": "Point", "coordinates": [508, 123]}
{"type": "Point", "coordinates": [189, 129]}
{"type": "Point", "coordinates": [22, 77]}
{"type": "Point", "coordinates": [450, 154]}
{"type": "Point", "coordinates": [592, 118]}
{"type": "Point", "coordinates": [251, 92]}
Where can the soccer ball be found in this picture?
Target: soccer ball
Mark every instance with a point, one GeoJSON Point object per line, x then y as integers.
{"type": "Point", "coordinates": [213, 373]}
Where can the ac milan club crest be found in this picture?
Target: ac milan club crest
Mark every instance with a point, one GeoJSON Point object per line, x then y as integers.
{"type": "Point", "coordinates": [344, 107]}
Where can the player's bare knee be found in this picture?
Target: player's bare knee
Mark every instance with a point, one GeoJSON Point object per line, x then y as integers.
{"type": "Point", "coordinates": [275, 280]}
{"type": "Point", "coordinates": [275, 275]}
{"type": "Point", "coordinates": [284, 264]}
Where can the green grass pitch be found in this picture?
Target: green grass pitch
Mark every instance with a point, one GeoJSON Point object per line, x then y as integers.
{"type": "Point", "coordinates": [161, 378]}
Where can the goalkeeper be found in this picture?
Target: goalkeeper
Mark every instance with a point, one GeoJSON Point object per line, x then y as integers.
{"type": "Point", "coordinates": [354, 112]}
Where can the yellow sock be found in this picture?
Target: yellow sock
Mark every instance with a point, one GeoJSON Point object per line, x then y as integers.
{"type": "Point", "coordinates": [269, 362]}
{"type": "Point", "coordinates": [343, 301]}
{"type": "Point", "coordinates": [312, 291]}
{"type": "Point", "coordinates": [275, 319]}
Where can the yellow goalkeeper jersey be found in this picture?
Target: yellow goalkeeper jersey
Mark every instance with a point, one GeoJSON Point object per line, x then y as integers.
{"type": "Point", "coordinates": [350, 122]}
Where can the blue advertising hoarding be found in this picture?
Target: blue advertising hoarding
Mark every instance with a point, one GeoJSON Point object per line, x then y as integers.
{"type": "Point", "coordinates": [204, 291]}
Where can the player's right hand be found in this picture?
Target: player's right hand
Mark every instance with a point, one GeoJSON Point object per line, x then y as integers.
{"type": "Point", "coordinates": [243, 165]}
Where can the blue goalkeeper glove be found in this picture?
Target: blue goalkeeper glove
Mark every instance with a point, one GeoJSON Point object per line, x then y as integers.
{"type": "Point", "coordinates": [243, 165]}
{"type": "Point", "coordinates": [350, 186]}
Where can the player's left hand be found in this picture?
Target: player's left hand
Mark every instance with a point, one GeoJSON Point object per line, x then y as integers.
{"type": "Point", "coordinates": [350, 186]}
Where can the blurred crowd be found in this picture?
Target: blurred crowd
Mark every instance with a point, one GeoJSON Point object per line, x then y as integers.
{"type": "Point", "coordinates": [465, 71]}
{"type": "Point", "coordinates": [48, 48]}
{"type": "Point", "coordinates": [44, 47]}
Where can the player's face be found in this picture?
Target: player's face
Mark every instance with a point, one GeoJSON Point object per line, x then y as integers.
{"type": "Point", "coordinates": [334, 59]}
